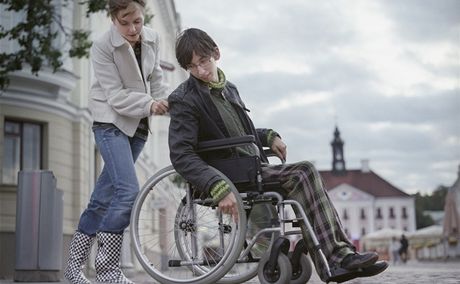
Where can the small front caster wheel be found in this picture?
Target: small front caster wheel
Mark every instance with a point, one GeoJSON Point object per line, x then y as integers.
{"type": "Point", "coordinates": [303, 273]}
{"type": "Point", "coordinates": [280, 275]}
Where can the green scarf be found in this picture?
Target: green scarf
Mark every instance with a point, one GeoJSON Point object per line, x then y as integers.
{"type": "Point", "coordinates": [220, 84]}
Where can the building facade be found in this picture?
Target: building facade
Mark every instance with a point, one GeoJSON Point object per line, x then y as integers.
{"type": "Point", "coordinates": [45, 123]}
{"type": "Point", "coordinates": [365, 201]}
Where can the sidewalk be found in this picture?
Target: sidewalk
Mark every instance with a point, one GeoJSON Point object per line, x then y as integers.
{"type": "Point", "coordinates": [438, 272]}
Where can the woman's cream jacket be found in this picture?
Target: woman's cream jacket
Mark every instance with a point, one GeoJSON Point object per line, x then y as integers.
{"type": "Point", "coordinates": [120, 93]}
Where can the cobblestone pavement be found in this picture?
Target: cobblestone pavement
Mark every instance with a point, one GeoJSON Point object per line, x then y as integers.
{"type": "Point", "coordinates": [412, 272]}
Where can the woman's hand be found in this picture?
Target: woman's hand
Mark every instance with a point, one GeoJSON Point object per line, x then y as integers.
{"type": "Point", "coordinates": [159, 107]}
{"type": "Point", "coordinates": [279, 148]}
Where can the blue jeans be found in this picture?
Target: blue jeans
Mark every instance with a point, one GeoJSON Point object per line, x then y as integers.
{"type": "Point", "coordinates": [109, 208]}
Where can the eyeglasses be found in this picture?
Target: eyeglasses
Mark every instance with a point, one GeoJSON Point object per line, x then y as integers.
{"type": "Point", "coordinates": [204, 62]}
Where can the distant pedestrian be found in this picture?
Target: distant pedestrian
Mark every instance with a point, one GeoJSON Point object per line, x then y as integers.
{"type": "Point", "coordinates": [403, 249]}
{"type": "Point", "coordinates": [393, 249]}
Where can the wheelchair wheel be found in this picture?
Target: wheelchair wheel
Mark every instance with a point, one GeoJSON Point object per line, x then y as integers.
{"type": "Point", "coordinates": [304, 272]}
{"type": "Point", "coordinates": [179, 238]}
{"type": "Point", "coordinates": [259, 216]}
{"type": "Point", "coordinates": [282, 273]}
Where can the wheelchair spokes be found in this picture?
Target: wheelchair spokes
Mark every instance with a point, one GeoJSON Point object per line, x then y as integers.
{"type": "Point", "coordinates": [179, 238]}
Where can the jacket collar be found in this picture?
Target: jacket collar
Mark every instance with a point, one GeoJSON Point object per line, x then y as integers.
{"type": "Point", "coordinates": [228, 93]}
{"type": "Point", "coordinates": [118, 40]}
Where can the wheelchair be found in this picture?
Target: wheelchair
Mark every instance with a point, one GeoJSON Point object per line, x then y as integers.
{"type": "Point", "coordinates": [180, 236]}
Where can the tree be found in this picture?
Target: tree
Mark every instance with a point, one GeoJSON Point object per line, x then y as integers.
{"type": "Point", "coordinates": [422, 220]}
{"type": "Point", "coordinates": [36, 33]}
{"type": "Point", "coordinates": [432, 202]}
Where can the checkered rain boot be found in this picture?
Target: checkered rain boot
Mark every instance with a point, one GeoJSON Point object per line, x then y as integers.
{"type": "Point", "coordinates": [80, 247]}
{"type": "Point", "coordinates": [108, 259]}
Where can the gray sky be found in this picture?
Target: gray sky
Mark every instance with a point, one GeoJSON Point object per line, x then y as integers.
{"type": "Point", "coordinates": [386, 72]}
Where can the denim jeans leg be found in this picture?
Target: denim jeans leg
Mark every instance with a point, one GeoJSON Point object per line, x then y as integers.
{"type": "Point", "coordinates": [117, 186]}
{"type": "Point", "coordinates": [91, 218]}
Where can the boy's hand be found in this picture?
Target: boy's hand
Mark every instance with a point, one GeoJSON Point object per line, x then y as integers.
{"type": "Point", "coordinates": [227, 205]}
{"type": "Point", "coordinates": [279, 148]}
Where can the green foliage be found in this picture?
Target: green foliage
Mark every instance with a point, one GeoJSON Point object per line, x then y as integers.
{"type": "Point", "coordinates": [148, 17]}
{"type": "Point", "coordinates": [80, 44]}
{"type": "Point", "coordinates": [37, 32]}
{"type": "Point", "coordinates": [432, 202]}
{"type": "Point", "coordinates": [34, 36]}
{"type": "Point", "coordinates": [422, 220]}
{"type": "Point", "coordinates": [94, 6]}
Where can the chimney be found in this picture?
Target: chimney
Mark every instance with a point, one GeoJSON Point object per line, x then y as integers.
{"type": "Point", "coordinates": [365, 166]}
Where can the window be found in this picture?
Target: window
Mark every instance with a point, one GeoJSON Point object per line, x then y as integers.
{"type": "Point", "coordinates": [22, 149]}
{"type": "Point", "coordinates": [363, 214]}
{"type": "Point", "coordinates": [392, 213]}
{"type": "Point", "coordinates": [345, 214]}
{"type": "Point", "coordinates": [363, 231]}
{"type": "Point", "coordinates": [379, 213]}
{"type": "Point", "coordinates": [404, 213]}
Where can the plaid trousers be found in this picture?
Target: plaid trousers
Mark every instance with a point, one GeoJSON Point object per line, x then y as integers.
{"type": "Point", "coordinates": [302, 182]}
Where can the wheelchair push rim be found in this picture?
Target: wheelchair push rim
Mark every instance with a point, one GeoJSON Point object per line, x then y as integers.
{"type": "Point", "coordinates": [180, 242]}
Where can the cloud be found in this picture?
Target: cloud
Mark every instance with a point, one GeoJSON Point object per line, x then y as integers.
{"type": "Point", "coordinates": [424, 20]}
{"type": "Point", "coordinates": [386, 72]}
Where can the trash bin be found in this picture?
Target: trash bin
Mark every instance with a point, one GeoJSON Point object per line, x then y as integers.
{"type": "Point", "coordinates": [38, 227]}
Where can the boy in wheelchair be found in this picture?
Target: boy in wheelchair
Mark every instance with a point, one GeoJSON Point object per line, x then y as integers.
{"type": "Point", "coordinates": [208, 107]}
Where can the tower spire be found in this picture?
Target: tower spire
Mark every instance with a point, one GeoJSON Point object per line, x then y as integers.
{"type": "Point", "coordinates": [338, 159]}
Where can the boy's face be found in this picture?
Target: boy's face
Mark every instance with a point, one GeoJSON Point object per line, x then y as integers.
{"type": "Point", "coordinates": [204, 67]}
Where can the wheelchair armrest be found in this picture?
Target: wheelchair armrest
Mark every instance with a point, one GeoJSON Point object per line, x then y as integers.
{"type": "Point", "coordinates": [269, 153]}
{"type": "Point", "coordinates": [225, 143]}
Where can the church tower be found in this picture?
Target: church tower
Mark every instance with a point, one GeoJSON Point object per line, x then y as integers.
{"type": "Point", "coordinates": [338, 160]}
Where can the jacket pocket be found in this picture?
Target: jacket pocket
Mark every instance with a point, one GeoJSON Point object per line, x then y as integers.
{"type": "Point", "coordinates": [98, 96]}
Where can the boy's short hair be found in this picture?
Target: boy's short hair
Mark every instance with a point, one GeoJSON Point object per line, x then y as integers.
{"type": "Point", "coordinates": [193, 40]}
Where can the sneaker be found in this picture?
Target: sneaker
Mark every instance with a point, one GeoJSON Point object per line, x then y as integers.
{"type": "Point", "coordinates": [374, 269]}
{"type": "Point", "coordinates": [340, 274]}
{"type": "Point", "coordinates": [358, 260]}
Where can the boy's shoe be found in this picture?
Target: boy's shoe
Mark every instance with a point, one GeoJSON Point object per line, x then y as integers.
{"type": "Point", "coordinates": [374, 269]}
{"type": "Point", "coordinates": [359, 260]}
{"type": "Point", "coordinates": [340, 274]}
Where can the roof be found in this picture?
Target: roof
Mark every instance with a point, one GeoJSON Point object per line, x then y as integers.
{"type": "Point", "coordinates": [368, 182]}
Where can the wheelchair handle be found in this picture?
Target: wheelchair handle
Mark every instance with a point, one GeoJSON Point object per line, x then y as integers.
{"type": "Point", "coordinates": [225, 143]}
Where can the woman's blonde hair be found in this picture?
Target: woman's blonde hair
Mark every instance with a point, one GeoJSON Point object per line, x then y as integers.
{"type": "Point", "coordinates": [116, 6]}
